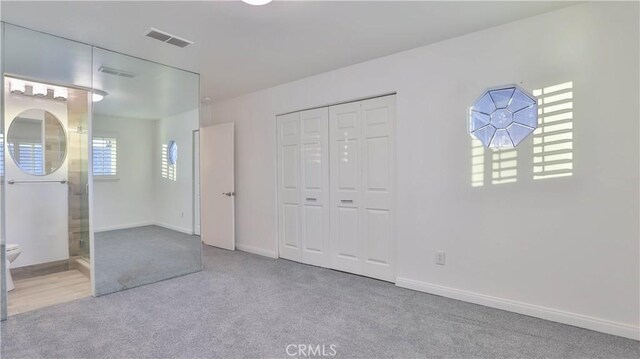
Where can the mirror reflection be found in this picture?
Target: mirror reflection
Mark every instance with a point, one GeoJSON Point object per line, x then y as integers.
{"type": "Point", "coordinates": [144, 220]}
{"type": "Point", "coordinates": [37, 142]}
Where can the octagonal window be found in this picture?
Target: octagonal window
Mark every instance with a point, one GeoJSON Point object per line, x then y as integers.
{"type": "Point", "coordinates": [503, 117]}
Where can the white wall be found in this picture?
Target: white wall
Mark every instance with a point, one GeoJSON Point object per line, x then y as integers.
{"type": "Point", "coordinates": [174, 199]}
{"type": "Point", "coordinates": [563, 249]}
{"type": "Point", "coordinates": [129, 200]}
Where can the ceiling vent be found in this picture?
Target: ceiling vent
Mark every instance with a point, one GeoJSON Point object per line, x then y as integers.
{"type": "Point", "coordinates": [167, 38]}
{"type": "Point", "coordinates": [116, 72]}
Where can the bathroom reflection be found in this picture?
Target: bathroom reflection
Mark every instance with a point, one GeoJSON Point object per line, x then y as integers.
{"type": "Point", "coordinates": [46, 170]}
{"type": "Point", "coordinates": [143, 211]}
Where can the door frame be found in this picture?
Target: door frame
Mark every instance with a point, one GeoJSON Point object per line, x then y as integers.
{"type": "Point", "coordinates": [195, 190]}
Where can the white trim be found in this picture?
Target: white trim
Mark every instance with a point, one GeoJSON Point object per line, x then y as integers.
{"type": "Point", "coordinates": [256, 250]}
{"type": "Point", "coordinates": [147, 223]}
{"type": "Point", "coordinates": [105, 178]}
{"type": "Point", "coordinates": [578, 320]}
{"type": "Point", "coordinates": [174, 228]}
{"type": "Point", "coordinates": [124, 226]}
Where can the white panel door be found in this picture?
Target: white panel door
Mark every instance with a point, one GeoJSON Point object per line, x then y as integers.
{"type": "Point", "coordinates": [345, 136]}
{"type": "Point", "coordinates": [378, 183]}
{"type": "Point", "coordinates": [314, 185]}
{"type": "Point", "coordinates": [289, 238]}
{"type": "Point", "coordinates": [217, 194]}
{"type": "Point", "coordinates": [362, 184]}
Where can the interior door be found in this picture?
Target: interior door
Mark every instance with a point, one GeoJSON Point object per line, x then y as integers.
{"type": "Point", "coordinates": [362, 187]}
{"type": "Point", "coordinates": [345, 134]}
{"type": "Point", "coordinates": [288, 127]}
{"type": "Point", "coordinates": [217, 193]}
{"type": "Point", "coordinates": [378, 183]}
{"type": "Point", "coordinates": [314, 186]}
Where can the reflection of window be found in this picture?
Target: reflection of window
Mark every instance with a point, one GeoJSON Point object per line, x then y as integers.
{"type": "Point", "coordinates": [29, 156]}
{"type": "Point", "coordinates": [105, 156]}
{"type": "Point", "coordinates": [553, 139]}
{"type": "Point", "coordinates": [477, 163]}
{"type": "Point", "coordinates": [504, 166]}
{"type": "Point", "coordinates": [168, 170]}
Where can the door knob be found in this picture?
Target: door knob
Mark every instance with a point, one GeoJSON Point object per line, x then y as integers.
{"type": "Point", "coordinates": [229, 194]}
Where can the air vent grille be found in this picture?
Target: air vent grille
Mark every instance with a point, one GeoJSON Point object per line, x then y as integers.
{"type": "Point", "coordinates": [167, 38]}
{"type": "Point", "coordinates": [116, 72]}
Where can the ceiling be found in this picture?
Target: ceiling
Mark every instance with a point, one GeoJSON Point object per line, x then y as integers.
{"type": "Point", "coordinates": [241, 48]}
{"type": "Point", "coordinates": [152, 91]}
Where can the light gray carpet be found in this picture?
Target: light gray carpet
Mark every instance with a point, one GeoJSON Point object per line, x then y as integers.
{"type": "Point", "coordinates": [128, 258]}
{"type": "Point", "coordinates": [246, 306]}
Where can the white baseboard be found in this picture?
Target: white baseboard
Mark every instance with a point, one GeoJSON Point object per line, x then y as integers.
{"type": "Point", "coordinates": [174, 228]}
{"type": "Point", "coordinates": [255, 250]}
{"type": "Point", "coordinates": [142, 224]}
{"type": "Point", "coordinates": [578, 320]}
{"type": "Point", "coordinates": [124, 226]}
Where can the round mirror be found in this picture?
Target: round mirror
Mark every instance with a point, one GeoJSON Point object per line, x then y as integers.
{"type": "Point", "coordinates": [37, 142]}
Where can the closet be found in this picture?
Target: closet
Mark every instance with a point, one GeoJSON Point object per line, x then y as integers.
{"type": "Point", "coordinates": [336, 187]}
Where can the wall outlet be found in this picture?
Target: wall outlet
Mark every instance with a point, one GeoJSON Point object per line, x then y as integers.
{"type": "Point", "coordinates": [440, 259]}
{"type": "Point", "coordinates": [181, 214]}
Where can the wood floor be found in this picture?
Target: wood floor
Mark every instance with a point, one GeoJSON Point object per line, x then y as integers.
{"type": "Point", "coordinates": [43, 291]}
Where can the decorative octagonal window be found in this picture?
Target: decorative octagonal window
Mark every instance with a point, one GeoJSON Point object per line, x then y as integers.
{"type": "Point", "coordinates": [503, 117]}
{"type": "Point", "coordinates": [172, 152]}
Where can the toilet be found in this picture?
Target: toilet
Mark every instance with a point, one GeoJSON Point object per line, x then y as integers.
{"type": "Point", "coordinates": [13, 251]}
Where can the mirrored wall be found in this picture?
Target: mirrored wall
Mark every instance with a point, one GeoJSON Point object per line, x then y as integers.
{"type": "Point", "coordinates": [143, 172]}
{"type": "Point", "coordinates": [97, 171]}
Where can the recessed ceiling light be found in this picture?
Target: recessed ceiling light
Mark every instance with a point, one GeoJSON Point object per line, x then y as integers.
{"type": "Point", "coordinates": [257, 2]}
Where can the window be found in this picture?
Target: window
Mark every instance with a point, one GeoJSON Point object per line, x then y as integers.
{"type": "Point", "coordinates": [105, 156]}
{"type": "Point", "coordinates": [168, 170]}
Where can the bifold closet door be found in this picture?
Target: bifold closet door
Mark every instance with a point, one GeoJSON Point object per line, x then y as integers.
{"type": "Point", "coordinates": [362, 150]}
{"type": "Point", "coordinates": [289, 186]}
{"type": "Point", "coordinates": [314, 146]}
{"type": "Point", "coordinates": [303, 180]}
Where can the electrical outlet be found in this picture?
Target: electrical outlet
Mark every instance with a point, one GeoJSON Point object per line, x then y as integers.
{"type": "Point", "coordinates": [440, 259]}
{"type": "Point", "coordinates": [181, 214]}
